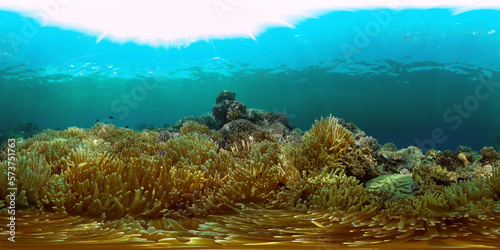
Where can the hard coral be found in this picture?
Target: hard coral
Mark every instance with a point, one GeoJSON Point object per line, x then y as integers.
{"type": "Point", "coordinates": [225, 95]}
{"type": "Point", "coordinates": [396, 161]}
{"type": "Point", "coordinates": [164, 136]}
{"type": "Point", "coordinates": [463, 148]}
{"type": "Point", "coordinates": [448, 159]}
{"type": "Point", "coordinates": [237, 127]}
{"type": "Point", "coordinates": [209, 120]}
{"type": "Point", "coordinates": [258, 117]}
{"type": "Point", "coordinates": [393, 186]}
{"type": "Point", "coordinates": [265, 119]}
{"type": "Point", "coordinates": [489, 155]}
{"type": "Point", "coordinates": [432, 177]}
{"type": "Point", "coordinates": [279, 117]}
{"type": "Point", "coordinates": [360, 136]}
{"type": "Point", "coordinates": [236, 131]}
{"type": "Point", "coordinates": [431, 154]}
{"type": "Point", "coordinates": [24, 130]}
{"type": "Point", "coordinates": [227, 111]}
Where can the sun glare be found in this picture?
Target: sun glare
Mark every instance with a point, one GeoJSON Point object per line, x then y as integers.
{"type": "Point", "coordinates": [168, 22]}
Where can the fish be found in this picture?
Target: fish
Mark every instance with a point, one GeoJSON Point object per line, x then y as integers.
{"type": "Point", "coordinates": [97, 120]}
{"type": "Point", "coordinates": [126, 126]}
{"type": "Point", "coordinates": [29, 124]}
{"type": "Point", "coordinates": [111, 117]}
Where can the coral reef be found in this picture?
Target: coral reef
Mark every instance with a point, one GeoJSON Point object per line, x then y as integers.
{"type": "Point", "coordinates": [362, 140]}
{"type": "Point", "coordinates": [227, 108]}
{"type": "Point", "coordinates": [253, 181]}
{"type": "Point", "coordinates": [489, 155]}
{"type": "Point", "coordinates": [208, 120]}
{"type": "Point", "coordinates": [398, 161]}
{"type": "Point", "coordinates": [164, 136]}
{"type": "Point", "coordinates": [24, 130]}
{"type": "Point", "coordinates": [205, 119]}
{"type": "Point", "coordinates": [178, 124]}
{"type": "Point", "coordinates": [431, 177]}
{"type": "Point", "coordinates": [225, 95]}
{"type": "Point", "coordinates": [451, 160]}
{"type": "Point", "coordinates": [194, 127]}
{"type": "Point", "coordinates": [329, 144]}
{"type": "Point", "coordinates": [266, 125]}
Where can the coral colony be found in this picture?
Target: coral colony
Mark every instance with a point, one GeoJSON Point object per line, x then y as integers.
{"type": "Point", "coordinates": [243, 177]}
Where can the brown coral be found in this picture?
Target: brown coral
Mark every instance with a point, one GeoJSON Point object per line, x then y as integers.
{"type": "Point", "coordinates": [448, 159]}
{"type": "Point", "coordinates": [431, 178]}
{"type": "Point", "coordinates": [489, 155]}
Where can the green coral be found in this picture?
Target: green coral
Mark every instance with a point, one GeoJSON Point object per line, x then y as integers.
{"type": "Point", "coordinates": [393, 186]}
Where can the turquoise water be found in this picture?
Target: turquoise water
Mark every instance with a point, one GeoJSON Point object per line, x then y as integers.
{"type": "Point", "coordinates": [402, 77]}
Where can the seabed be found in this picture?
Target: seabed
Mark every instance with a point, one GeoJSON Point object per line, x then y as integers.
{"type": "Point", "coordinates": [272, 229]}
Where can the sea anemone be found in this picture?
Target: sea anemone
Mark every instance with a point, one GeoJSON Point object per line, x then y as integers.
{"type": "Point", "coordinates": [111, 184]}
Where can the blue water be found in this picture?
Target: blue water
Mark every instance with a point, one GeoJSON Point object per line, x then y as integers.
{"type": "Point", "coordinates": [423, 77]}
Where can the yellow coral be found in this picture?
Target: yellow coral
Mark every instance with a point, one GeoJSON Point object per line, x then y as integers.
{"type": "Point", "coordinates": [33, 174]}
{"type": "Point", "coordinates": [432, 177]}
{"type": "Point", "coordinates": [327, 143]}
{"type": "Point", "coordinates": [126, 186]}
{"type": "Point", "coordinates": [194, 127]}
